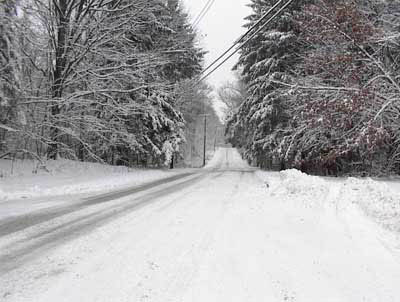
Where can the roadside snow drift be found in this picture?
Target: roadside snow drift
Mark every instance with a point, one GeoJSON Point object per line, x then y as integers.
{"type": "Point", "coordinates": [27, 179]}
{"type": "Point", "coordinates": [378, 199]}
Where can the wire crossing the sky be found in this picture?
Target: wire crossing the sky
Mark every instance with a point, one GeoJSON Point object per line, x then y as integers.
{"type": "Point", "coordinates": [203, 12]}
{"type": "Point", "coordinates": [243, 36]}
{"type": "Point", "coordinates": [242, 44]}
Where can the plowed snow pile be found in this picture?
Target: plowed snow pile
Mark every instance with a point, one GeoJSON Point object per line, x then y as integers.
{"type": "Point", "coordinates": [378, 199]}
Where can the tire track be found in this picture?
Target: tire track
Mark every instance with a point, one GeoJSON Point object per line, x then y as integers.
{"type": "Point", "coordinates": [15, 224]}
{"type": "Point", "coordinates": [24, 250]}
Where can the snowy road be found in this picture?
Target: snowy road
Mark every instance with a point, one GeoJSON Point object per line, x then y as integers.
{"type": "Point", "coordinates": [219, 235]}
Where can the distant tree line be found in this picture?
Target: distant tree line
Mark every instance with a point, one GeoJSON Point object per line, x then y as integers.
{"type": "Point", "coordinates": [96, 79]}
{"type": "Point", "coordinates": [323, 88]}
{"type": "Point", "coordinates": [195, 101]}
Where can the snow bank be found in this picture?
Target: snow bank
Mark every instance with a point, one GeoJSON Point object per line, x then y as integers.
{"type": "Point", "coordinates": [295, 182]}
{"type": "Point", "coordinates": [26, 178]}
{"type": "Point", "coordinates": [379, 200]}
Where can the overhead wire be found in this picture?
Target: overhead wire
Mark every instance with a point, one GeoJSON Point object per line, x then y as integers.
{"type": "Point", "coordinates": [242, 44]}
{"type": "Point", "coordinates": [243, 36]}
{"type": "Point", "coordinates": [203, 13]}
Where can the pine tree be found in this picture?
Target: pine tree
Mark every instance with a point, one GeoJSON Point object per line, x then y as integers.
{"type": "Point", "coordinates": [267, 59]}
{"type": "Point", "coordinates": [158, 49]}
{"type": "Point", "coordinates": [325, 103]}
{"type": "Point", "coordinates": [8, 63]}
{"type": "Point", "coordinates": [100, 77]}
{"type": "Point", "coordinates": [184, 55]}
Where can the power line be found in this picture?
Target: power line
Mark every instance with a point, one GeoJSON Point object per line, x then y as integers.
{"type": "Point", "coordinates": [261, 19]}
{"type": "Point", "coordinates": [203, 12]}
{"type": "Point", "coordinates": [246, 41]}
{"type": "Point", "coordinates": [243, 36]}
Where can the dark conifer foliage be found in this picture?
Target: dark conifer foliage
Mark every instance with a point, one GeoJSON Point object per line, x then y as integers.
{"type": "Point", "coordinates": [100, 78]}
{"type": "Point", "coordinates": [9, 87]}
{"type": "Point", "coordinates": [323, 88]}
{"type": "Point", "coordinates": [269, 57]}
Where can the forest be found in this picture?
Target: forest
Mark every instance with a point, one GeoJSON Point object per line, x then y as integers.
{"type": "Point", "coordinates": [322, 88]}
{"type": "Point", "coordinates": [113, 81]}
{"type": "Point", "coordinates": [117, 81]}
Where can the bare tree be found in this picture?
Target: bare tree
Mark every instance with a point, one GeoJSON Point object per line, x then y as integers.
{"type": "Point", "coordinates": [232, 94]}
{"type": "Point", "coordinates": [100, 78]}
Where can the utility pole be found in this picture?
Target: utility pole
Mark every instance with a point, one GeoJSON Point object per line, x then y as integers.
{"type": "Point", "coordinates": [215, 138]}
{"type": "Point", "coordinates": [205, 140]}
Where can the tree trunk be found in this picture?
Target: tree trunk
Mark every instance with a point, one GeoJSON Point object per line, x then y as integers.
{"type": "Point", "coordinates": [61, 25]}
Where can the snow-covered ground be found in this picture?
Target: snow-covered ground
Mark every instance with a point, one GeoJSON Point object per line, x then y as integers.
{"type": "Point", "coordinates": [229, 233]}
{"type": "Point", "coordinates": [377, 199]}
{"type": "Point", "coordinates": [26, 179]}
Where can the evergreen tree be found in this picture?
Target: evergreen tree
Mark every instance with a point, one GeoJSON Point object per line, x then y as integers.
{"type": "Point", "coordinates": [100, 78]}
{"type": "Point", "coordinates": [185, 57]}
{"type": "Point", "coordinates": [170, 42]}
{"type": "Point", "coordinates": [8, 70]}
{"type": "Point", "coordinates": [325, 102]}
{"type": "Point", "coordinates": [268, 58]}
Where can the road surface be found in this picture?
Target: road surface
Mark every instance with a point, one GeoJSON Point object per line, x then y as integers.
{"type": "Point", "coordinates": [219, 234]}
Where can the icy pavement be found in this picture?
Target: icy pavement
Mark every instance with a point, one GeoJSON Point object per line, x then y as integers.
{"type": "Point", "coordinates": [227, 234]}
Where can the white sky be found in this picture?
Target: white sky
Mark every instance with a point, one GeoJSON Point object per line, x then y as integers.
{"type": "Point", "coordinates": [220, 28]}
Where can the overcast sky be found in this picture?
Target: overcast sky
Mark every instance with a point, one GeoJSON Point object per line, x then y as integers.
{"type": "Point", "coordinates": [220, 28]}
